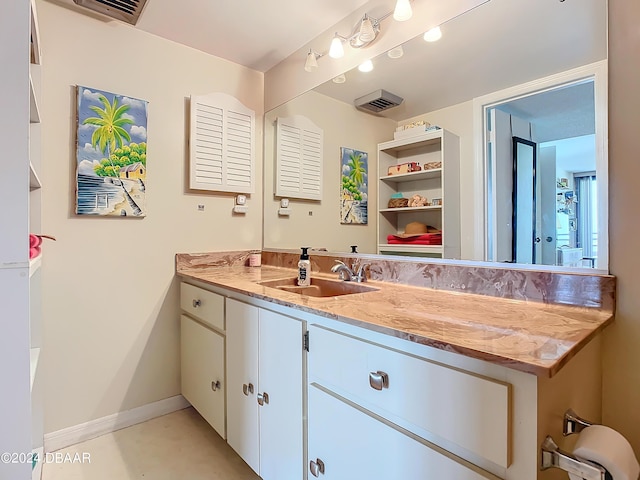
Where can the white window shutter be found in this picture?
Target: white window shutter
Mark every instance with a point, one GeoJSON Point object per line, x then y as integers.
{"type": "Point", "coordinates": [299, 153]}
{"type": "Point", "coordinates": [222, 144]}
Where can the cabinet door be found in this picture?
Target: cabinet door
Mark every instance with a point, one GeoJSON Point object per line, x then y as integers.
{"type": "Point", "coordinates": [281, 379]}
{"type": "Point", "coordinates": [202, 364]}
{"type": "Point", "coordinates": [352, 444]}
{"type": "Point", "coordinates": [242, 381]}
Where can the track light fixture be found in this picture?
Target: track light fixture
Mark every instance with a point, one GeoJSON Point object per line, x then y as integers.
{"type": "Point", "coordinates": [363, 34]}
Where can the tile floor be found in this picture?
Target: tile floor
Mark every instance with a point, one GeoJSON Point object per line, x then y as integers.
{"type": "Point", "coordinates": [178, 446]}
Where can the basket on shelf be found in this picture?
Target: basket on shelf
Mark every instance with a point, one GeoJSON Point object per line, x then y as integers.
{"type": "Point", "coordinates": [398, 202]}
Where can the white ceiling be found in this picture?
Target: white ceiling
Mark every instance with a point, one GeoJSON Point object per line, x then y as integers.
{"type": "Point", "coordinates": [497, 45]}
{"type": "Point", "coordinates": [255, 33]}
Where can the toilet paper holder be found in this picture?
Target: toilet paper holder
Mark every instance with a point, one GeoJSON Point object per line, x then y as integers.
{"type": "Point", "coordinates": [553, 457]}
{"type": "Point", "coordinates": [572, 423]}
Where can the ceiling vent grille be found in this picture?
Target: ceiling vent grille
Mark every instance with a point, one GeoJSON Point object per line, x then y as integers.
{"type": "Point", "coordinates": [124, 10]}
{"type": "Point", "coordinates": [378, 101]}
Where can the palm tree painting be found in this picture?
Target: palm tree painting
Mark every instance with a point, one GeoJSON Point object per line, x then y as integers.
{"type": "Point", "coordinates": [111, 154]}
{"type": "Point", "coordinates": [353, 188]}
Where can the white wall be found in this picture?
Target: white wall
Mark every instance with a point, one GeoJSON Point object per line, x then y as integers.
{"type": "Point", "coordinates": [458, 119]}
{"type": "Point", "coordinates": [343, 126]}
{"type": "Point", "coordinates": [110, 298]}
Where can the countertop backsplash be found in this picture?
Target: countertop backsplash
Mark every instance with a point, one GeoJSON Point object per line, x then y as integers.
{"type": "Point", "coordinates": [566, 288]}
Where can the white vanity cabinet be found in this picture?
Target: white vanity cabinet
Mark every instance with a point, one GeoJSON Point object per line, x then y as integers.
{"type": "Point", "coordinates": [346, 443]}
{"type": "Point", "coordinates": [265, 408]}
{"type": "Point", "coordinates": [202, 353]}
{"type": "Point", "coordinates": [361, 403]}
{"type": "Point", "coordinates": [408, 405]}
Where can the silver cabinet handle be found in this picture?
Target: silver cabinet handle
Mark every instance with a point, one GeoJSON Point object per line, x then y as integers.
{"type": "Point", "coordinates": [215, 385]}
{"type": "Point", "coordinates": [378, 380]}
{"type": "Point", "coordinates": [247, 389]}
{"type": "Point", "coordinates": [316, 467]}
{"type": "Point", "coordinates": [263, 398]}
{"type": "Point", "coordinates": [196, 303]}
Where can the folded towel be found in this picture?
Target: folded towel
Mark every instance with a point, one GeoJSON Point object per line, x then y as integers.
{"type": "Point", "coordinates": [34, 252]}
{"type": "Point", "coordinates": [34, 240]}
{"type": "Point", "coordinates": [425, 239]}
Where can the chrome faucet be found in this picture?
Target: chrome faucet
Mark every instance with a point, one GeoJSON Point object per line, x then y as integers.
{"type": "Point", "coordinates": [348, 274]}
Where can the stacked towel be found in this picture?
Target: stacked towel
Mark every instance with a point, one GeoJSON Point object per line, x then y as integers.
{"type": "Point", "coordinates": [425, 239]}
{"type": "Point", "coordinates": [34, 245]}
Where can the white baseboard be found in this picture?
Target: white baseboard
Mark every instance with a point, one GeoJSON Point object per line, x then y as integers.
{"type": "Point", "coordinates": [85, 431]}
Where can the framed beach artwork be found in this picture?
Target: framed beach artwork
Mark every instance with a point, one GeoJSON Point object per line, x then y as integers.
{"type": "Point", "coordinates": [353, 191]}
{"type": "Point", "coordinates": [111, 154]}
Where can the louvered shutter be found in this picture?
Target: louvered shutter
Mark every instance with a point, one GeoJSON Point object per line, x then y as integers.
{"type": "Point", "coordinates": [299, 150]}
{"type": "Point", "coordinates": [222, 144]}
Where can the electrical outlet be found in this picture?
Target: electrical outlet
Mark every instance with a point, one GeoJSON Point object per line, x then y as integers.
{"type": "Point", "coordinates": [200, 207]}
{"type": "Point", "coordinates": [240, 209]}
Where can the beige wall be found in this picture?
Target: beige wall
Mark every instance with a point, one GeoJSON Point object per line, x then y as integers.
{"type": "Point", "coordinates": [343, 126]}
{"type": "Point", "coordinates": [621, 386]}
{"type": "Point", "coordinates": [109, 294]}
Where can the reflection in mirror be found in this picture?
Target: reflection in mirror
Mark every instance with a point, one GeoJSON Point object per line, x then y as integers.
{"type": "Point", "coordinates": [499, 45]}
{"type": "Point", "coordinates": [524, 201]}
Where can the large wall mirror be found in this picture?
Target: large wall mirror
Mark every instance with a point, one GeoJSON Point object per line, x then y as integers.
{"type": "Point", "coordinates": [539, 65]}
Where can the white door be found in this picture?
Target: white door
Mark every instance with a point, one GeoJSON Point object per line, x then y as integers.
{"type": "Point", "coordinates": [202, 366]}
{"type": "Point", "coordinates": [242, 381]}
{"type": "Point", "coordinates": [353, 445]}
{"type": "Point", "coordinates": [281, 384]}
{"type": "Point", "coordinates": [500, 189]}
{"type": "Point", "coordinates": [547, 205]}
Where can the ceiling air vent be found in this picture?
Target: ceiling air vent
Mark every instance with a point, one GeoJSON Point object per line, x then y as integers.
{"type": "Point", "coordinates": [378, 101]}
{"type": "Point", "coordinates": [124, 10]}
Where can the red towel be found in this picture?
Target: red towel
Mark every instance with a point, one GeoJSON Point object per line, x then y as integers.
{"type": "Point", "coordinates": [426, 239]}
{"type": "Point", "coordinates": [34, 240]}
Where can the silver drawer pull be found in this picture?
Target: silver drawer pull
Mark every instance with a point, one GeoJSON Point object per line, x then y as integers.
{"type": "Point", "coordinates": [378, 380]}
{"type": "Point", "coordinates": [196, 303]}
{"type": "Point", "coordinates": [263, 398]}
{"type": "Point", "coordinates": [216, 385]}
{"type": "Point", "coordinates": [247, 389]}
{"type": "Point", "coordinates": [316, 467]}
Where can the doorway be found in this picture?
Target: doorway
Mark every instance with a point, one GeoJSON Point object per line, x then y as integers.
{"type": "Point", "coordinates": [558, 115]}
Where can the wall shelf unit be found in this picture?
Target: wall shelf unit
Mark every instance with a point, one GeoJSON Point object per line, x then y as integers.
{"type": "Point", "coordinates": [438, 183]}
{"type": "Point", "coordinates": [21, 413]}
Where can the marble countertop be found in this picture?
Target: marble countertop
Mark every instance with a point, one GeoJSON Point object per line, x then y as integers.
{"type": "Point", "coordinates": [532, 337]}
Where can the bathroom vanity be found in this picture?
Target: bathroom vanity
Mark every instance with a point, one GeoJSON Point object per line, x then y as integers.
{"type": "Point", "coordinates": [399, 381]}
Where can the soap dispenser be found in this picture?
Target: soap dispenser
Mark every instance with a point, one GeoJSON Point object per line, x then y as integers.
{"type": "Point", "coordinates": [304, 268]}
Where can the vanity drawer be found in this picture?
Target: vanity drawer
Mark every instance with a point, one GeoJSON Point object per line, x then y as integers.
{"type": "Point", "coordinates": [459, 407]}
{"type": "Point", "coordinates": [206, 306]}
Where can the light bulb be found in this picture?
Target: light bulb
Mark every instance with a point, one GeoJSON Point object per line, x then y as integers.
{"type": "Point", "coordinates": [312, 62]}
{"type": "Point", "coordinates": [433, 35]}
{"type": "Point", "coordinates": [336, 50]}
{"type": "Point", "coordinates": [366, 30]}
{"type": "Point", "coordinates": [366, 66]}
{"type": "Point", "coordinates": [402, 11]}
